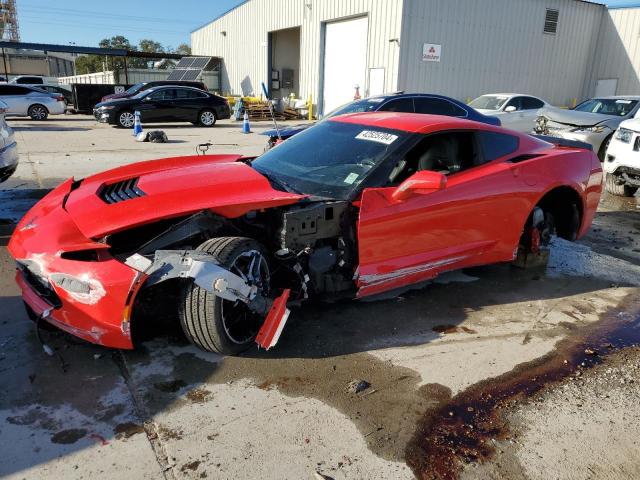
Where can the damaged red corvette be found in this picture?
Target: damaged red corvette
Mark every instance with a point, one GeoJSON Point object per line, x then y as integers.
{"type": "Point", "coordinates": [355, 206]}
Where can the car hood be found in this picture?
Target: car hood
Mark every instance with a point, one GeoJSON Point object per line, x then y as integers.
{"type": "Point", "coordinates": [114, 96]}
{"type": "Point", "coordinates": [156, 190]}
{"type": "Point", "coordinates": [115, 102]}
{"type": "Point", "coordinates": [491, 113]}
{"type": "Point", "coordinates": [579, 119]}
{"type": "Point", "coordinates": [631, 124]}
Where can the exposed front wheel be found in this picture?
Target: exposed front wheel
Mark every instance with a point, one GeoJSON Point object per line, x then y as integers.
{"type": "Point", "coordinates": [612, 186]}
{"type": "Point", "coordinates": [219, 325]}
{"type": "Point", "coordinates": [38, 112]}
{"type": "Point", "coordinates": [126, 119]}
{"type": "Point", "coordinates": [207, 118]}
{"type": "Point", "coordinates": [603, 148]}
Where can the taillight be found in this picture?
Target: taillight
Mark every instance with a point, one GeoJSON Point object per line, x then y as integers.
{"type": "Point", "coordinates": [60, 98]}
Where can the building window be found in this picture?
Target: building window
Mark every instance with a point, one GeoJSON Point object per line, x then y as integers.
{"type": "Point", "coordinates": [551, 21]}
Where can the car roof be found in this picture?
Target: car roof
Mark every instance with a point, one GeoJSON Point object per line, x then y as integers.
{"type": "Point", "coordinates": [617, 97]}
{"type": "Point", "coordinates": [387, 96]}
{"type": "Point", "coordinates": [409, 122]}
{"type": "Point", "coordinates": [162, 87]}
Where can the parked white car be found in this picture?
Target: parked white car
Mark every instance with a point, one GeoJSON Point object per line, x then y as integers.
{"type": "Point", "coordinates": [27, 101]}
{"type": "Point", "coordinates": [8, 147]}
{"type": "Point", "coordinates": [515, 110]}
{"type": "Point", "coordinates": [622, 160]}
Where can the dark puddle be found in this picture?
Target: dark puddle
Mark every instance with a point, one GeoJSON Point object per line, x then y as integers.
{"type": "Point", "coordinates": [127, 429]}
{"type": "Point", "coordinates": [463, 430]}
{"type": "Point", "coordinates": [171, 386]}
{"type": "Point", "coordinates": [69, 436]}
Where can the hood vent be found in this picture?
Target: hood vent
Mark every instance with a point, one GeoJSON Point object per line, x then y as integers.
{"type": "Point", "coordinates": [120, 191]}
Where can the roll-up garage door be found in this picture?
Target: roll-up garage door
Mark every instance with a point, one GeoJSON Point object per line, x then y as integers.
{"type": "Point", "coordinates": [345, 61]}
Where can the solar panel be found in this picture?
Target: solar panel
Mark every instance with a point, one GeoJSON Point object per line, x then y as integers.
{"type": "Point", "coordinates": [175, 75]}
{"type": "Point", "coordinates": [200, 62]}
{"type": "Point", "coordinates": [185, 62]}
{"type": "Point", "coordinates": [191, 74]}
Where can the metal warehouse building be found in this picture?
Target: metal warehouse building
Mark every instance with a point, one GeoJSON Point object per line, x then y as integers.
{"type": "Point", "coordinates": [561, 50]}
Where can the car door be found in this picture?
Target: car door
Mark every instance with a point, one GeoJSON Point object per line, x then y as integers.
{"type": "Point", "coordinates": [15, 98]}
{"type": "Point", "coordinates": [188, 103]}
{"type": "Point", "coordinates": [158, 106]}
{"type": "Point", "coordinates": [474, 220]}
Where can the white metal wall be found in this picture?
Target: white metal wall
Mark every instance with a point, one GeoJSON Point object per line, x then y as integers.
{"type": "Point", "coordinates": [618, 53]}
{"type": "Point", "coordinates": [499, 46]}
{"type": "Point", "coordinates": [243, 45]}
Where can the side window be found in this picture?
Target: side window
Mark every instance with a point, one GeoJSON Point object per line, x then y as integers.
{"type": "Point", "coordinates": [515, 102]}
{"type": "Point", "coordinates": [184, 94]}
{"type": "Point", "coordinates": [530, 103]}
{"type": "Point", "coordinates": [398, 105]}
{"type": "Point", "coordinates": [166, 94]}
{"type": "Point", "coordinates": [447, 153]}
{"type": "Point", "coordinates": [495, 145]}
{"type": "Point", "coordinates": [13, 90]}
{"type": "Point", "coordinates": [437, 106]}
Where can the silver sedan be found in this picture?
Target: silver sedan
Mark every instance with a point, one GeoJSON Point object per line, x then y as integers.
{"type": "Point", "coordinates": [26, 101]}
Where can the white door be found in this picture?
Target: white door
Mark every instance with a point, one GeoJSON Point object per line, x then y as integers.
{"type": "Point", "coordinates": [606, 87]}
{"type": "Point", "coordinates": [345, 61]}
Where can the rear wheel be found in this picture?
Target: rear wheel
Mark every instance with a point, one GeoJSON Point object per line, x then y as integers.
{"type": "Point", "coordinates": [38, 112]}
{"type": "Point", "coordinates": [219, 325]}
{"type": "Point", "coordinates": [612, 186]}
{"type": "Point", "coordinates": [207, 118]}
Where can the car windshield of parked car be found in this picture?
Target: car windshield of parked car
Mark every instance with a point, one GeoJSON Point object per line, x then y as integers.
{"type": "Point", "coordinates": [330, 159]}
{"type": "Point", "coordinates": [359, 106]}
{"type": "Point", "coordinates": [607, 106]}
{"type": "Point", "coordinates": [489, 102]}
{"type": "Point", "coordinates": [135, 89]}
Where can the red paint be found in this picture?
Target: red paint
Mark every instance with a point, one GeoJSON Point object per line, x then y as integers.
{"type": "Point", "coordinates": [475, 217]}
{"type": "Point", "coordinates": [269, 333]}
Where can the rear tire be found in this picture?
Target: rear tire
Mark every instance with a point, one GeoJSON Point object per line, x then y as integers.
{"type": "Point", "coordinates": [207, 118]}
{"type": "Point", "coordinates": [614, 188]}
{"type": "Point", "coordinates": [38, 112]}
{"type": "Point", "coordinates": [219, 325]}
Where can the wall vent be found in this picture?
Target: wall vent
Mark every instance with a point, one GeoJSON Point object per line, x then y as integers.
{"type": "Point", "coordinates": [551, 21]}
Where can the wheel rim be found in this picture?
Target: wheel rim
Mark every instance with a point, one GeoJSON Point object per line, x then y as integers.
{"type": "Point", "coordinates": [127, 119]}
{"type": "Point", "coordinates": [207, 118]}
{"type": "Point", "coordinates": [38, 113]}
{"type": "Point", "coordinates": [241, 324]}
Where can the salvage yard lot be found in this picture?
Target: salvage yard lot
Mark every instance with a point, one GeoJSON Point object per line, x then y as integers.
{"type": "Point", "coordinates": [169, 409]}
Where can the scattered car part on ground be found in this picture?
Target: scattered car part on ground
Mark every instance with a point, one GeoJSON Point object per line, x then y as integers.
{"type": "Point", "coordinates": [8, 147]}
{"type": "Point", "coordinates": [360, 205]}
{"type": "Point", "coordinates": [142, 86]}
{"type": "Point", "coordinates": [154, 136]}
{"type": "Point", "coordinates": [165, 104]}
{"type": "Point", "coordinates": [622, 160]}
{"type": "Point", "coordinates": [516, 111]}
{"type": "Point", "coordinates": [592, 121]}
{"type": "Point", "coordinates": [396, 102]}
{"type": "Point", "coordinates": [23, 101]}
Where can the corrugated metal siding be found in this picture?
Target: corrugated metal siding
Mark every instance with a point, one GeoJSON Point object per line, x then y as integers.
{"type": "Point", "coordinates": [618, 54]}
{"type": "Point", "coordinates": [244, 48]}
{"type": "Point", "coordinates": [499, 46]}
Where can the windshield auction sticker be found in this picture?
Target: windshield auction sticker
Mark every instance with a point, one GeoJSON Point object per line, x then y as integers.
{"type": "Point", "coordinates": [380, 137]}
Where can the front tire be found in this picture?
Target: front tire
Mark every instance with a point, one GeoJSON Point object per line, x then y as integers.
{"type": "Point", "coordinates": [219, 325]}
{"type": "Point", "coordinates": [603, 148]}
{"type": "Point", "coordinates": [126, 119]}
{"type": "Point", "coordinates": [614, 188]}
{"type": "Point", "coordinates": [38, 112]}
{"type": "Point", "coordinates": [207, 118]}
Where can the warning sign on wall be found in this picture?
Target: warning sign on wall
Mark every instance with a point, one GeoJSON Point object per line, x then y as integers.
{"type": "Point", "coordinates": [431, 52]}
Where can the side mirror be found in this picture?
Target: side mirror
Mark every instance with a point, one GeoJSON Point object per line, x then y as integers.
{"type": "Point", "coordinates": [510, 109]}
{"type": "Point", "coordinates": [421, 182]}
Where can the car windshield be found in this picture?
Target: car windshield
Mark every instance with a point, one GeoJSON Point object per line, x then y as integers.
{"type": "Point", "coordinates": [359, 106]}
{"type": "Point", "coordinates": [330, 159]}
{"type": "Point", "coordinates": [618, 107]}
{"type": "Point", "coordinates": [135, 89]}
{"type": "Point", "coordinates": [489, 102]}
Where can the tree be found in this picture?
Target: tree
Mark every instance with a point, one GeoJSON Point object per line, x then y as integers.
{"type": "Point", "coordinates": [183, 49]}
{"type": "Point", "coordinates": [150, 46]}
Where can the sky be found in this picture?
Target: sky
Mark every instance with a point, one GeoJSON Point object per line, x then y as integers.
{"type": "Point", "coordinates": [85, 22]}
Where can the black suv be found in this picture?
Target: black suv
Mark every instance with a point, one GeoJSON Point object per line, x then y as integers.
{"type": "Point", "coordinates": [165, 104]}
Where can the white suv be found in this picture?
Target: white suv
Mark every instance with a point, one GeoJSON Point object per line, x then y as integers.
{"type": "Point", "coordinates": [622, 160]}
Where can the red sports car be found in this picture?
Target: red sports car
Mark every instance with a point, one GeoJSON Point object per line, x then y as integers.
{"type": "Point", "coordinates": [356, 206]}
